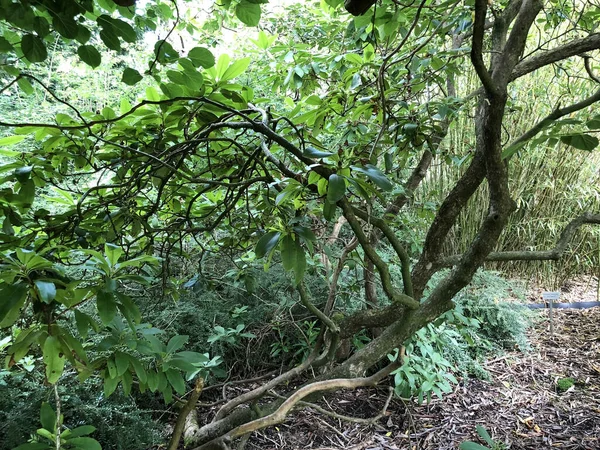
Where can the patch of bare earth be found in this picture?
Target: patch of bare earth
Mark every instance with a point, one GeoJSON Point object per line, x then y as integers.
{"type": "Point", "coordinates": [521, 405]}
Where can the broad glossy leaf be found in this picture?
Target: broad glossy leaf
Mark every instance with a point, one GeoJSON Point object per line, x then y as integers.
{"type": "Point", "coordinates": [312, 152]}
{"type": "Point", "coordinates": [472, 446]}
{"type": "Point", "coordinates": [33, 48]}
{"type": "Point", "coordinates": [110, 385]}
{"type": "Point", "coordinates": [124, 30]}
{"type": "Point", "coordinates": [46, 290]}
{"type": "Point", "coordinates": [12, 298]}
{"type": "Point", "coordinates": [235, 69]}
{"type": "Point", "coordinates": [48, 417]}
{"type": "Point", "coordinates": [11, 140]}
{"type": "Point", "coordinates": [176, 380]}
{"type": "Point", "coordinates": [248, 13]}
{"type": "Point", "coordinates": [113, 253]}
{"type": "Point", "coordinates": [127, 382]}
{"type": "Point", "coordinates": [83, 430]}
{"type": "Point", "coordinates": [89, 55]}
{"type": "Point", "coordinates": [336, 188]}
{"type": "Point", "coordinates": [376, 176]}
{"type": "Point", "coordinates": [34, 446]}
{"type": "Point", "coordinates": [139, 369]}
{"type": "Point", "coordinates": [193, 357]}
{"type": "Point", "coordinates": [580, 141]}
{"type": "Point", "coordinates": [107, 306]}
{"type": "Point", "coordinates": [267, 243]}
{"type": "Point", "coordinates": [84, 443]}
{"type": "Point", "coordinates": [176, 342]}
{"type": "Point", "coordinates": [288, 252]}
{"type": "Point", "coordinates": [65, 25]}
{"type": "Point", "coordinates": [201, 57]}
{"type": "Point", "coordinates": [5, 45]}
{"type": "Point", "coordinates": [129, 309]}
{"type": "Point", "coordinates": [299, 263]}
{"type": "Point", "coordinates": [131, 76]}
{"type": "Point", "coordinates": [121, 363]}
{"type": "Point", "coordinates": [53, 359]}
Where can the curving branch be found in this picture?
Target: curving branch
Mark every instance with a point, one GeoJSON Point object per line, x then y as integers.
{"type": "Point", "coordinates": [386, 280]}
{"type": "Point", "coordinates": [316, 311]}
{"type": "Point", "coordinates": [572, 48]}
{"type": "Point", "coordinates": [320, 386]}
{"type": "Point", "coordinates": [477, 48]}
{"type": "Point", "coordinates": [396, 244]}
{"type": "Point", "coordinates": [555, 115]}
{"type": "Point", "coordinates": [544, 255]}
{"type": "Point", "coordinates": [588, 68]}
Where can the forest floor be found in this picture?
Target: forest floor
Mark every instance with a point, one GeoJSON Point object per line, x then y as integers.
{"type": "Point", "coordinates": [521, 405]}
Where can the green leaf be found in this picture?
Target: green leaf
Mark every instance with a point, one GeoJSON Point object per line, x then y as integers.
{"type": "Point", "coordinates": [176, 342]}
{"type": "Point", "coordinates": [85, 443]}
{"type": "Point", "coordinates": [113, 253]}
{"type": "Point", "coordinates": [376, 176]}
{"type": "Point", "coordinates": [107, 306]}
{"type": "Point", "coordinates": [580, 141]}
{"type": "Point", "coordinates": [193, 357]}
{"type": "Point", "coordinates": [89, 55]}
{"type": "Point", "coordinates": [46, 290]}
{"type": "Point", "coordinates": [121, 363]}
{"type": "Point", "coordinates": [53, 359]}
{"type": "Point", "coordinates": [27, 193]}
{"type": "Point", "coordinates": [34, 446]}
{"type": "Point", "coordinates": [201, 56]}
{"type": "Point", "coordinates": [5, 45]}
{"type": "Point", "coordinates": [83, 430]}
{"type": "Point", "coordinates": [138, 367]}
{"type": "Point", "coordinates": [129, 309]}
{"type": "Point", "coordinates": [152, 377]}
{"type": "Point", "coordinates": [33, 48]}
{"type": "Point", "coordinates": [336, 188]}
{"type": "Point", "coordinates": [235, 69]}
{"type": "Point", "coordinates": [11, 140]}
{"type": "Point", "coordinates": [266, 243]}
{"type": "Point", "coordinates": [593, 123]}
{"type": "Point", "coordinates": [472, 446]}
{"type": "Point", "coordinates": [22, 173]}
{"type": "Point", "coordinates": [248, 13]}
{"type": "Point", "coordinates": [124, 30]}
{"type": "Point", "coordinates": [312, 152]}
{"type": "Point", "coordinates": [481, 431]}
{"type": "Point", "coordinates": [65, 25]}
{"type": "Point", "coordinates": [299, 263]}
{"type": "Point", "coordinates": [127, 382]}
{"type": "Point", "coordinates": [12, 298]}
{"type": "Point", "coordinates": [288, 252]}
{"type": "Point", "coordinates": [165, 53]}
{"type": "Point", "coordinates": [110, 385]}
{"type": "Point", "coordinates": [27, 88]}
{"type": "Point", "coordinates": [328, 210]}
{"type": "Point", "coordinates": [176, 380]}
{"type": "Point", "coordinates": [110, 39]}
{"type": "Point", "coordinates": [82, 321]}
{"type": "Point", "coordinates": [48, 417]}
{"type": "Point", "coordinates": [112, 368]}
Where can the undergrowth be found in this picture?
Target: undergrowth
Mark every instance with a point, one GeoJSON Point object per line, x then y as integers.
{"type": "Point", "coordinates": [488, 319]}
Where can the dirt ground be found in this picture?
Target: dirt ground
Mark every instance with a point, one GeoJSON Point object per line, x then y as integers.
{"type": "Point", "coordinates": [521, 406]}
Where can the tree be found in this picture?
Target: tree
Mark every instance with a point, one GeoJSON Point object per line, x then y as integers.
{"type": "Point", "coordinates": [203, 165]}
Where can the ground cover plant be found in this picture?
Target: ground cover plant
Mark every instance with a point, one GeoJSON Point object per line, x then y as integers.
{"type": "Point", "coordinates": [276, 187]}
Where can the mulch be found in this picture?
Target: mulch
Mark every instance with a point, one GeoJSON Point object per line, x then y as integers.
{"type": "Point", "coordinates": [521, 406]}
